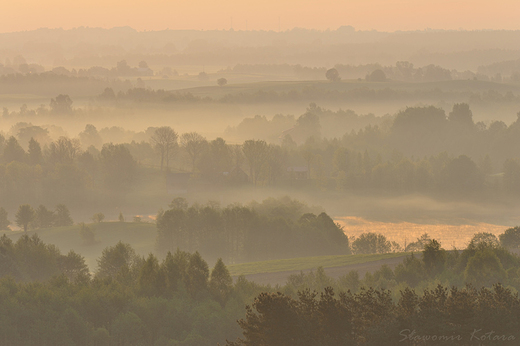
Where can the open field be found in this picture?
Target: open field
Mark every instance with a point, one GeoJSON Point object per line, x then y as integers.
{"type": "Point", "coordinates": [305, 263]}
{"type": "Point", "coordinates": [449, 235]}
{"type": "Point", "coordinates": [277, 272]}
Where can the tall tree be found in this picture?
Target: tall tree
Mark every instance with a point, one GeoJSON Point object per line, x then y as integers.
{"type": "Point", "coordinates": [165, 141]}
{"type": "Point", "coordinates": [35, 152]}
{"type": "Point", "coordinates": [13, 151]}
{"type": "Point", "coordinates": [118, 166]}
{"type": "Point", "coordinates": [44, 217]}
{"type": "Point", "coordinates": [220, 283]}
{"type": "Point", "coordinates": [194, 144]}
{"type": "Point", "coordinates": [197, 274]}
{"type": "Point", "coordinates": [62, 104]}
{"type": "Point", "coordinates": [62, 217]}
{"type": "Point", "coordinates": [116, 258]}
{"type": "Point", "coordinates": [24, 216]}
{"type": "Point", "coordinates": [256, 152]}
{"type": "Point", "coordinates": [64, 150]}
{"type": "Point", "coordinates": [90, 136]}
{"type": "Point", "coordinates": [332, 75]}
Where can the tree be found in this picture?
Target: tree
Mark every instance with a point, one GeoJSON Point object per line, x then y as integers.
{"type": "Point", "coordinates": [203, 76]}
{"type": "Point", "coordinates": [307, 153]}
{"type": "Point", "coordinates": [165, 141]}
{"type": "Point", "coordinates": [461, 114]}
{"type": "Point", "coordinates": [64, 150]}
{"type": "Point", "coordinates": [13, 151]}
{"type": "Point", "coordinates": [35, 152]}
{"type": "Point", "coordinates": [87, 235]}
{"type": "Point", "coordinates": [194, 144]}
{"type": "Point", "coordinates": [484, 269]}
{"type": "Point", "coordinates": [197, 274]}
{"type": "Point", "coordinates": [418, 245]}
{"type": "Point", "coordinates": [368, 243]}
{"type": "Point", "coordinates": [484, 239]}
{"type": "Point", "coordinates": [24, 216]}
{"type": "Point", "coordinates": [4, 222]}
{"type": "Point", "coordinates": [307, 125]}
{"type": "Point", "coordinates": [127, 329]}
{"type": "Point", "coordinates": [256, 152]}
{"type": "Point", "coordinates": [121, 217]}
{"type": "Point", "coordinates": [62, 104]}
{"type": "Point", "coordinates": [221, 82]}
{"type": "Point", "coordinates": [332, 75]}
{"type": "Point", "coordinates": [179, 203]}
{"type": "Point", "coordinates": [433, 257]}
{"type": "Point", "coordinates": [377, 76]}
{"type": "Point", "coordinates": [220, 283]}
{"type": "Point", "coordinates": [461, 174]}
{"type": "Point", "coordinates": [175, 268]}
{"type": "Point", "coordinates": [98, 217]}
{"type": "Point", "coordinates": [123, 69]}
{"type": "Point", "coordinates": [74, 267]}
{"type": "Point", "coordinates": [44, 218]}
{"type": "Point", "coordinates": [276, 159]}
{"type": "Point", "coordinates": [511, 177]}
{"type": "Point", "coordinates": [118, 166]}
{"type": "Point", "coordinates": [36, 132]}
{"type": "Point", "coordinates": [90, 136]}
{"type": "Point", "coordinates": [509, 239]}
{"type": "Point", "coordinates": [116, 258]}
{"type": "Point", "coordinates": [411, 271]}
{"type": "Point", "coordinates": [62, 217]}
{"type": "Point", "coordinates": [150, 281]}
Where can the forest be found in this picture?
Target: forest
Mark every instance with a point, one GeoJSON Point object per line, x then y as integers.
{"type": "Point", "coordinates": [49, 298]}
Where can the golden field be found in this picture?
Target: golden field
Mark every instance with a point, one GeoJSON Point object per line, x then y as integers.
{"type": "Point", "coordinates": [450, 236]}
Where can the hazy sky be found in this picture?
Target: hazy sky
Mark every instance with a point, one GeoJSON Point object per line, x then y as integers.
{"type": "Point", "coordinates": [384, 15]}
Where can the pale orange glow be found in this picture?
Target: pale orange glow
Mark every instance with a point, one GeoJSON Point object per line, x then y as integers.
{"type": "Point", "coordinates": [449, 236]}
{"type": "Point", "coordinates": [383, 15]}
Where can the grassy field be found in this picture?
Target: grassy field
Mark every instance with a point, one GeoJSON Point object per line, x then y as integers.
{"type": "Point", "coordinates": [140, 235]}
{"type": "Point", "coordinates": [304, 263]}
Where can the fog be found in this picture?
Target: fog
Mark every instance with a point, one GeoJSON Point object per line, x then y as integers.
{"type": "Point", "coordinates": [144, 154]}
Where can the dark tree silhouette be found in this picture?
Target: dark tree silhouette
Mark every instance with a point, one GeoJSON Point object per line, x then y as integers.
{"type": "Point", "coordinates": [24, 216]}
{"type": "Point", "coordinates": [332, 75]}
{"type": "Point", "coordinates": [165, 141]}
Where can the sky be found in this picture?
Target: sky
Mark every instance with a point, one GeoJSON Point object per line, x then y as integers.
{"type": "Point", "coordinates": [382, 15]}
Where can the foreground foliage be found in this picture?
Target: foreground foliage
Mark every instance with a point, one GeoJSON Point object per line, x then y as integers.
{"type": "Point", "coordinates": [439, 316]}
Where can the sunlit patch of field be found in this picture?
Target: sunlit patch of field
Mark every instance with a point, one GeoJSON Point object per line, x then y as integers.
{"type": "Point", "coordinates": [450, 236]}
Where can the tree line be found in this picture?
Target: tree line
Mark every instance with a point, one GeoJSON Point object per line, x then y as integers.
{"type": "Point", "coordinates": [442, 315]}
{"type": "Point", "coordinates": [51, 299]}
{"type": "Point", "coordinates": [274, 229]}
{"type": "Point", "coordinates": [40, 218]}
{"type": "Point", "coordinates": [419, 150]}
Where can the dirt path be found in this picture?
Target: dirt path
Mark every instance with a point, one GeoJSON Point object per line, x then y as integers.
{"type": "Point", "coordinates": [280, 278]}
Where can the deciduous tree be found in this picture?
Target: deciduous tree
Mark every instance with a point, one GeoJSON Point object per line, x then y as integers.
{"type": "Point", "coordinates": [165, 141]}
{"type": "Point", "coordinates": [24, 216]}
